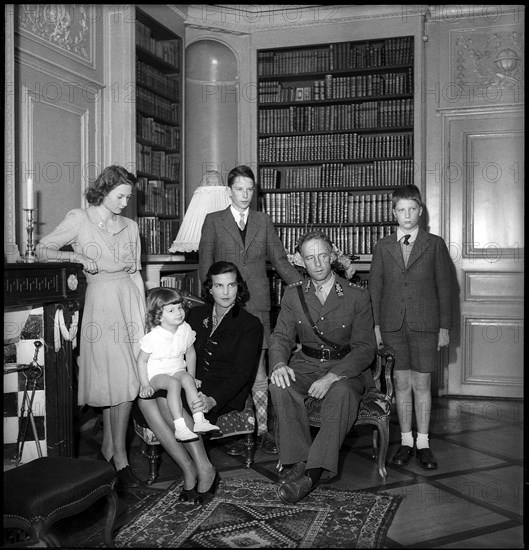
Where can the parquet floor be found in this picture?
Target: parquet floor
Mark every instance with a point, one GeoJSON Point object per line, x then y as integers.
{"type": "Point", "coordinates": [473, 500]}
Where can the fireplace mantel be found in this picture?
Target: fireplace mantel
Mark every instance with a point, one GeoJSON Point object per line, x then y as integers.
{"type": "Point", "coordinates": [52, 286]}
{"type": "Point", "coordinates": [37, 284]}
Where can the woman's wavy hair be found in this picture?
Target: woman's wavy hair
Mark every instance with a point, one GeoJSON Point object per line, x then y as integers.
{"type": "Point", "coordinates": [110, 178]}
{"type": "Point", "coordinates": [156, 300]}
{"type": "Point", "coordinates": [218, 268]}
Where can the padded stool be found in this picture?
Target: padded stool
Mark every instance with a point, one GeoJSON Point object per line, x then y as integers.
{"type": "Point", "coordinates": [45, 490]}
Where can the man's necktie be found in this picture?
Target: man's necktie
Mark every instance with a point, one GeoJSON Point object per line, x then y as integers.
{"type": "Point", "coordinates": [319, 294]}
{"type": "Point", "coordinates": [241, 223]}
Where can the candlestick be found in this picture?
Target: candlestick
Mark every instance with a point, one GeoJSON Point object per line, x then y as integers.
{"type": "Point", "coordinates": [29, 194]}
{"type": "Point", "coordinates": [29, 256]}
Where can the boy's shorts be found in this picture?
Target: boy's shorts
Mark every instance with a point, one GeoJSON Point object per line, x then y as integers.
{"type": "Point", "coordinates": [413, 349]}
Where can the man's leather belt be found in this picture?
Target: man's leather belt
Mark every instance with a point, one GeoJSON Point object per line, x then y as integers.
{"type": "Point", "coordinates": [326, 354]}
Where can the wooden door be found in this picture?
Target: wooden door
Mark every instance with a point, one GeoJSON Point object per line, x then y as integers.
{"type": "Point", "coordinates": [484, 176]}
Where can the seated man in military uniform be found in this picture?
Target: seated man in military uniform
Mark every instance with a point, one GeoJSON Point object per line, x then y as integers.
{"type": "Point", "coordinates": [332, 320]}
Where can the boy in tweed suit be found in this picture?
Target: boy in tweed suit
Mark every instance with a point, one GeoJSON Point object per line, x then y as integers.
{"type": "Point", "coordinates": [409, 283]}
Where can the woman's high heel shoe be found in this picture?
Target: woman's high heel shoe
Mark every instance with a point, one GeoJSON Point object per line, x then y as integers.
{"type": "Point", "coordinates": [206, 496]}
{"type": "Point", "coordinates": [188, 495]}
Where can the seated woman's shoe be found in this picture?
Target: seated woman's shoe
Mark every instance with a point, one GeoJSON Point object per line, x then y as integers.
{"type": "Point", "coordinates": [205, 427]}
{"type": "Point", "coordinates": [127, 479]}
{"type": "Point", "coordinates": [188, 495]}
{"type": "Point", "coordinates": [207, 496]}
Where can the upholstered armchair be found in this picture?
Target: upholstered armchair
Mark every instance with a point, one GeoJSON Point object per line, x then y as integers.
{"type": "Point", "coordinates": [375, 407]}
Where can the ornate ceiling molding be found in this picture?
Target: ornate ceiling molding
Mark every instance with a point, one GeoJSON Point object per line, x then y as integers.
{"type": "Point", "coordinates": [235, 19]}
{"type": "Point", "coordinates": [453, 13]}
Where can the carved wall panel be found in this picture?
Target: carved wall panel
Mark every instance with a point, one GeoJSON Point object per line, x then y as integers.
{"type": "Point", "coordinates": [65, 27]}
{"type": "Point", "coordinates": [486, 66]}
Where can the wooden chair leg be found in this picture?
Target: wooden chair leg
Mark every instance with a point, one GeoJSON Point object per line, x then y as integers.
{"type": "Point", "coordinates": [153, 455]}
{"type": "Point", "coordinates": [383, 431]}
{"type": "Point", "coordinates": [249, 445]}
{"type": "Point", "coordinates": [112, 503]}
{"type": "Point", "coordinates": [375, 443]}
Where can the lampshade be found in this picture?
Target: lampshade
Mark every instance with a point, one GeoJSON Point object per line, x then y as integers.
{"type": "Point", "coordinates": [211, 196]}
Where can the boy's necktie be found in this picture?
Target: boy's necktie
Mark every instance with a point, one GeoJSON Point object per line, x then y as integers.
{"type": "Point", "coordinates": [241, 223]}
{"type": "Point", "coordinates": [406, 248]}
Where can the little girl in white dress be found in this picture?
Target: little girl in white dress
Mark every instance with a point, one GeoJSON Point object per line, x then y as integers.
{"type": "Point", "coordinates": [167, 360]}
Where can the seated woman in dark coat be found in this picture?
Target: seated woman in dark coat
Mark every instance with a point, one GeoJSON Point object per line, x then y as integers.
{"type": "Point", "coordinates": [228, 343]}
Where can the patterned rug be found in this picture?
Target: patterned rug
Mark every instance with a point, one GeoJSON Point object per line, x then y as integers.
{"type": "Point", "coordinates": [248, 514]}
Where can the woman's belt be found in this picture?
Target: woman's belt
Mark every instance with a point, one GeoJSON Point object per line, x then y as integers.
{"type": "Point", "coordinates": [326, 354]}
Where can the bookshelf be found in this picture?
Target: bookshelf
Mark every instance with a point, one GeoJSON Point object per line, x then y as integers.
{"type": "Point", "coordinates": [158, 134]}
{"type": "Point", "coordinates": [335, 137]}
{"type": "Point", "coordinates": [166, 272]}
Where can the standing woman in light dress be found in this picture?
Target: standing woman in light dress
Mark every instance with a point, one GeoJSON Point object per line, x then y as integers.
{"type": "Point", "coordinates": [108, 246]}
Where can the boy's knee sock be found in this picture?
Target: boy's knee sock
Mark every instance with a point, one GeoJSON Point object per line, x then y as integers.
{"type": "Point", "coordinates": [406, 438]}
{"type": "Point", "coordinates": [260, 400]}
{"type": "Point", "coordinates": [422, 441]}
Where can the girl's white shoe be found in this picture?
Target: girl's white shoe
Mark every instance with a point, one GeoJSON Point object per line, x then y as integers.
{"type": "Point", "coordinates": [184, 434]}
{"type": "Point", "coordinates": [205, 427]}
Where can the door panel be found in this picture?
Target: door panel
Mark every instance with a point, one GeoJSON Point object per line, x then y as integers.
{"type": "Point", "coordinates": [484, 177]}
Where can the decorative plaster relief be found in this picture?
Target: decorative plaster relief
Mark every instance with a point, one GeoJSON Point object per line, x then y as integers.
{"type": "Point", "coordinates": [488, 65]}
{"type": "Point", "coordinates": [65, 26]}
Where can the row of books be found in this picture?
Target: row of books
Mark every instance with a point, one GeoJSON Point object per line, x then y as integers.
{"type": "Point", "coordinates": [160, 163]}
{"type": "Point", "coordinates": [338, 87]}
{"type": "Point", "coordinates": [328, 207]}
{"type": "Point", "coordinates": [179, 281]}
{"type": "Point", "coordinates": [147, 75]}
{"type": "Point", "coordinates": [392, 51]}
{"type": "Point", "coordinates": [167, 50]}
{"type": "Point", "coordinates": [353, 116]}
{"type": "Point", "coordinates": [156, 235]}
{"type": "Point", "coordinates": [157, 106]}
{"type": "Point", "coordinates": [321, 147]}
{"type": "Point", "coordinates": [379, 173]}
{"type": "Point", "coordinates": [158, 133]}
{"type": "Point", "coordinates": [297, 62]}
{"type": "Point", "coordinates": [339, 56]}
{"type": "Point", "coordinates": [157, 197]}
{"type": "Point", "coordinates": [352, 240]}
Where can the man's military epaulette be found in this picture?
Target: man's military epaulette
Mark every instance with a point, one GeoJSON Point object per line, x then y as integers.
{"type": "Point", "coordinates": [359, 287]}
{"type": "Point", "coordinates": [297, 283]}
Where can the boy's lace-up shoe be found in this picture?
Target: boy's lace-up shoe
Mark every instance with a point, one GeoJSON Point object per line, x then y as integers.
{"type": "Point", "coordinates": [403, 455]}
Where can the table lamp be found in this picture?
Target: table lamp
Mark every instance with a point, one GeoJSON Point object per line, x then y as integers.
{"type": "Point", "coordinates": [211, 196]}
